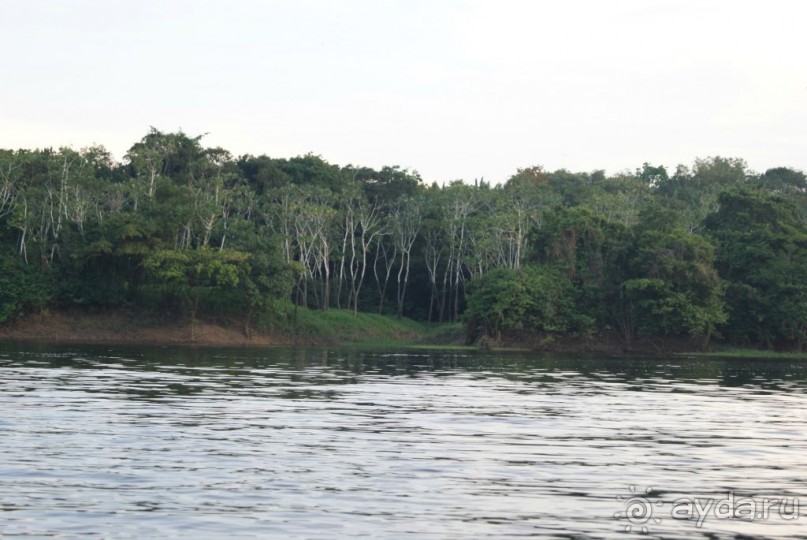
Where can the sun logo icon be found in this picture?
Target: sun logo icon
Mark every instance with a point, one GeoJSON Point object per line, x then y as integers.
{"type": "Point", "coordinates": [638, 510]}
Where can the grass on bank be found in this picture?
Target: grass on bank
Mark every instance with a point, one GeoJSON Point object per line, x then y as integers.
{"type": "Point", "coordinates": [343, 326]}
{"type": "Point", "coordinates": [369, 329]}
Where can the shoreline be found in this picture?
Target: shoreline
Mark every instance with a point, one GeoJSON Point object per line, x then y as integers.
{"type": "Point", "coordinates": [124, 328]}
{"type": "Point", "coordinates": [117, 328]}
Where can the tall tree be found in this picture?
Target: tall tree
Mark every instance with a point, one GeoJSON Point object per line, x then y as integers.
{"type": "Point", "coordinates": [406, 222]}
{"type": "Point", "coordinates": [762, 253]}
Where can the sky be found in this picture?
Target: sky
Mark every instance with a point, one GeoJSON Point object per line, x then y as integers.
{"type": "Point", "coordinates": [454, 89]}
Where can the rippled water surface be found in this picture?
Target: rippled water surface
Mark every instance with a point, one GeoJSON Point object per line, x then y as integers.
{"type": "Point", "coordinates": [329, 443]}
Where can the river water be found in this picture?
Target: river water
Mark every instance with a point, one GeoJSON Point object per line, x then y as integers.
{"type": "Point", "coordinates": [121, 442]}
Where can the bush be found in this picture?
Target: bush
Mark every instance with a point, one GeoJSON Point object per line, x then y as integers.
{"type": "Point", "coordinates": [22, 288]}
{"type": "Point", "coordinates": [533, 299]}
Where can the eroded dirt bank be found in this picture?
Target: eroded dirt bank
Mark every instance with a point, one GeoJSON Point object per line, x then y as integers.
{"type": "Point", "coordinates": [113, 327]}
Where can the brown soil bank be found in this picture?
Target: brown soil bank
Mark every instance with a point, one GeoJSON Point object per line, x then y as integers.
{"type": "Point", "coordinates": [133, 327]}
{"type": "Point", "coordinates": [129, 328]}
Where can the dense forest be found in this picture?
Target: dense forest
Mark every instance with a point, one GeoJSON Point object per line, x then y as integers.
{"type": "Point", "coordinates": [181, 230]}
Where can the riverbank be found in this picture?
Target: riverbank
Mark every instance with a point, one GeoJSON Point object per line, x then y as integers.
{"type": "Point", "coordinates": [334, 327]}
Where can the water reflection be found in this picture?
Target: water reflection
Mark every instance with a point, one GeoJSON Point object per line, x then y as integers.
{"type": "Point", "coordinates": [121, 442]}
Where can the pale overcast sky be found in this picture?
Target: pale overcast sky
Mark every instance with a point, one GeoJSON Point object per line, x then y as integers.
{"type": "Point", "coordinates": [454, 89]}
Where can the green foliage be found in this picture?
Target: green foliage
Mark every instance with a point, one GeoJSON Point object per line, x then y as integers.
{"type": "Point", "coordinates": [652, 175]}
{"type": "Point", "coordinates": [534, 298]}
{"type": "Point", "coordinates": [183, 277]}
{"type": "Point", "coordinates": [186, 229]}
{"type": "Point", "coordinates": [388, 185]}
{"type": "Point", "coordinates": [262, 173]}
{"type": "Point", "coordinates": [22, 287]}
{"type": "Point", "coordinates": [676, 289]}
{"type": "Point", "coordinates": [593, 253]}
{"type": "Point", "coordinates": [265, 280]}
{"type": "Point", "coordinates": [762, 247]}
{"type": "Point", "coordinates": [103, 264]}
{"type": "Point", "coordinates": [784, 181]}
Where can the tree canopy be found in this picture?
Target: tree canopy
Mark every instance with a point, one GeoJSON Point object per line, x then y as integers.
{"type": "Point", "coordinates": [711, 249]}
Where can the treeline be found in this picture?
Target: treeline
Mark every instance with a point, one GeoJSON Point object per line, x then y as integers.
{"type": "Point", "coordinates": [184, 230]}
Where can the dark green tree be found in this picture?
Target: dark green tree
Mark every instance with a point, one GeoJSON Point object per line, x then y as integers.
{"type": "Point", "coordinates": [674, 287]}
{"type": "Point", "coordinates": [762, 254]}
{"type": "Point", "coordinates": [533, 299]}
